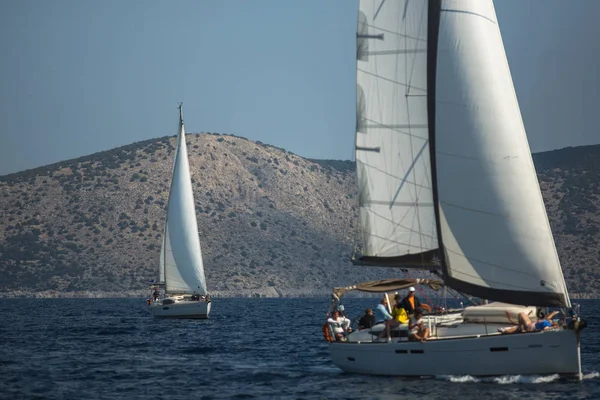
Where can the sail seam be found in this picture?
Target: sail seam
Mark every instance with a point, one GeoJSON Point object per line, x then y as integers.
{"type": "Point", "coordinates": [474, 210]}
{"type": "Point", "coordinates": [469, 13]}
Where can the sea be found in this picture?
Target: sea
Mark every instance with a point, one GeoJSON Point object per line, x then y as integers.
{"type": "Point", "coordinates": [249, 348]}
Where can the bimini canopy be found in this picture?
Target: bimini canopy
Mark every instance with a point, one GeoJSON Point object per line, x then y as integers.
{"type": "Point", "coordinates": [388, 285]}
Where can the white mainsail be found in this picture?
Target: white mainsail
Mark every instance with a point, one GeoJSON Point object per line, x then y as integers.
{"type": "Point", "coordinates": [180, 252]}
{"type": "Point", "coordinates": [442, 157]}
{"type": "Point", "coordinates": [392, 140]}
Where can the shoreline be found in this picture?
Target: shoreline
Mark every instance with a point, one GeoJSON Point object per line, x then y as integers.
{"type": "Point", "coordinates": [269, 292]}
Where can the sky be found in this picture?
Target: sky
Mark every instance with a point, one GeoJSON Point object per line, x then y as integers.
{"type": "Point", "coordinates": [82, 76]}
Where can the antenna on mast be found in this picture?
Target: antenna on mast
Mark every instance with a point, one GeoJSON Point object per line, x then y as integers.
{"type": "Point", "coordinates": [180, 107]}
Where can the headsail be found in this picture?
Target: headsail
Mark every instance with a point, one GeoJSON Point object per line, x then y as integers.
{"type": "Point", "coordinates": [392, 140]}
{"type": "Point", "coordinates": [444, 168]}
{"type": "Point", "coordinates": [184, 270]}
{"type": "Point", "coordinates": [493, 225]}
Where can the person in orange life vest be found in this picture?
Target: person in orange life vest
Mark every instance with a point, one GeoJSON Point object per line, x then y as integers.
{"type": "Point", "coordinates": [411, 302]}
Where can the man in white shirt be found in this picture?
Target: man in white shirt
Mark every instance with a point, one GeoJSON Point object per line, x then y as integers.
{"type": "Point", "coordinates": [339, 325]}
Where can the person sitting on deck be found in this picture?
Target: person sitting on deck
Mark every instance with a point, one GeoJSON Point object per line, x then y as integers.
{"type": "Point", "coordinates": [366, 321]}
{"type": "Point", "coordinates": [417, 331]}
{"type": "Point", "coordinates": [411, 302]}
{"type": "Point", "coordinates": [399, 317]}
{"type": "Point", "coordinates": [525, 324]}
{"type": "Point", "coordinates": [339, 325]}
{"type": "Point", "coordinates": [381, 312]}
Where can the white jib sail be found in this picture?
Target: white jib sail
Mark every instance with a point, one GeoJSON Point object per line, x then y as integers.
{"type": "Point", "coordinates": [495, 230]}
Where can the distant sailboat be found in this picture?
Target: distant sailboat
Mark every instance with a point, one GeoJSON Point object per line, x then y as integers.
{"type": "Point", "coordinates": [446, 182]}
{"type": "Point", "coordinates": [180, 268]}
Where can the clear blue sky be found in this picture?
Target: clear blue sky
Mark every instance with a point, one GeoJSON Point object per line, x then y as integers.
{"type": "Point", "coordinates": [81, 76]}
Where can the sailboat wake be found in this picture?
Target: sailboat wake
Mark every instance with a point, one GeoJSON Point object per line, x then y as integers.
{"type": "Point", "coordinates": [511, 379]}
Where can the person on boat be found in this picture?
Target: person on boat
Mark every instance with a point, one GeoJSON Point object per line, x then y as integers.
{"type": "Point", "coordinates": [411, 302]}
{"type": "Point", "coordinates": [366, 321]}
{"type": "Point", "coordinates": [525, 324]}
{"type": "Point", "coordinates": [399, 317]}
{"type": "Point", "coordinates": [381, 312]}
{"type": "Point", "coordinates": [339, 325]}
{"type": "Point", "coordinates": [156, 294]}
{"type": "Point", "coordinates": [417, 331]}
{"type": "Point", "coordinates": [196, 297]}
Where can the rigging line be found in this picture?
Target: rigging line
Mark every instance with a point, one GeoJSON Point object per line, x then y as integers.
{"type": "Point", "coordinates": [401, 203]}
{"type": "Point", "coordinates": [415, 58]}
{"type": "Point", "coordinates": [520, 272]}
{"type": "Point", "coordinates": [420, 249]}
{"type": "Point", "coordinates": [395, 33]}
{"type": "Point", "coordinates": [398, 225]}
{"type": "Point", "coordinates": [378, 9]}
{"type": "Point", "coordinates": [394, 176]}
{"type": "Point", "coordinates": [409, 78]}
{"type": "Point", "coordinates": [395, 128]}
{"type": "Point", "coordinates": [410, 169]}
{"type": "Point", "coordinates": [389, 80]}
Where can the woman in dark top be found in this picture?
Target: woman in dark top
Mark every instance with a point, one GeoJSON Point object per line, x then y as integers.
{"type": "Point", "coordinates": [366, 321]}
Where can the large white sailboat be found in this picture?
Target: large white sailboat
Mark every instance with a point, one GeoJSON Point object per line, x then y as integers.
{"type": "Point", "coordinates": [180, 270]}
{"type": "Point", "coordinates": [447, 182]}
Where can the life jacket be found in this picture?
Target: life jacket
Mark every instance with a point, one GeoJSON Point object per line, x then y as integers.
{"type": "Point", "coordinates": [327, 333]}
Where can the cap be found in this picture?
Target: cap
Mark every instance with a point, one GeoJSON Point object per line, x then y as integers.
{"type": "Point", "coordinates": [411, 289]}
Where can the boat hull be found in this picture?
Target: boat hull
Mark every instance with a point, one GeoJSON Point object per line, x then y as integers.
{"type": "Point", "coordinates": [181, 309]}
{"type": "Point", "coordinates": [540, 353]}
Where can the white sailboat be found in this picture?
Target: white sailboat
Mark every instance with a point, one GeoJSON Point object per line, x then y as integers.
{"type": "Point", "coordinates": [447, 182]}
{"type": "Point", "coordinates": [180, 269]}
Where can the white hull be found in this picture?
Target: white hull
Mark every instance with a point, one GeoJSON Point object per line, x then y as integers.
{"type": "Point", "coordinates": [180, 309]}
{"type": "Point", "coordinates": [540, 353]}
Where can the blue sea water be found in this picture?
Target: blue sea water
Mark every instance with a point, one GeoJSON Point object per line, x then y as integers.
{"type": "Point", "coordinates": [248, 349]}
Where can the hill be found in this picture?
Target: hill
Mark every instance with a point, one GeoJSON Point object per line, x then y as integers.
{"type": "Point", "coordinates": [271, 223]}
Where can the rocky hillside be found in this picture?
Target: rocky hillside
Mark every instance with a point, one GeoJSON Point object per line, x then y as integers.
{"type": "Point", "coordinates": [271, 222]}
